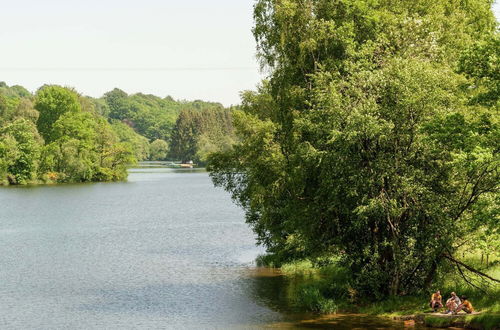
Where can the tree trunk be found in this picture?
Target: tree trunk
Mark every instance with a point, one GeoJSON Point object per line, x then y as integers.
{"type": "Point", "coordinates": [431, 274]}
{"type": "Point", "coordinates": [394, 290]}
{"type": "Point", "coordinates": [395, 285]}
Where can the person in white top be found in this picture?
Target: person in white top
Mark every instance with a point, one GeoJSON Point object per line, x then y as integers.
{"type": "Point", "coordinates": [452, 303]}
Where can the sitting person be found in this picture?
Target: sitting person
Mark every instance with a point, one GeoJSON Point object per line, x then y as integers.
{"type": "Point", "coordinates": [452, 303]}
{"type": "Point", "coordinates": [436, 301]}
{"type": "Point", "coordinates": [465, 306]}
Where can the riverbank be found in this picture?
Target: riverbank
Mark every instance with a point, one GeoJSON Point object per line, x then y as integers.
{"type": "Point", "coordinates": [324, 289]}
{"type": "Point", "coordinates": [469, 321]}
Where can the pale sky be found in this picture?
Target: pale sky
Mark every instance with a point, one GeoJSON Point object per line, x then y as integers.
{"type": "Point", "coordinates": [189, 49]}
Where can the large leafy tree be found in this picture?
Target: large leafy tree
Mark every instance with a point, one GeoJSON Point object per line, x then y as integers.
{"type": "Point", "coordinates": [19, 152]}
{"type": "Point", "coordinates": [362, 142]}
{"type": "Point", "coordinates": [52, 101]}
{"type": "Point", "coordinates": [159, 150]}
{"type": "Point", "coordinates": [8, 155]}
{"type": "Point", "coordinates": [85, 148]}
{"type": "Point", "coordinates": [184, 135]}
{"type": "Point", "coordinates": [198, 132]}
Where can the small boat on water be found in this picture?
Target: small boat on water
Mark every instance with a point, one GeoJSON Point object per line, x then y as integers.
{"type": "Point", "coordinates": [189, 164]}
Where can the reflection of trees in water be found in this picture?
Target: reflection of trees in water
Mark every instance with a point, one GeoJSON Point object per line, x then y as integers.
{"type": "Point", "coordinates": [274, 290]}
{"type": "Point", "coordinates": [277, 292]}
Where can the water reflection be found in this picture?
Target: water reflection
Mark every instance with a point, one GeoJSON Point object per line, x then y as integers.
{"type": "Point", "coordinates": [271, 288]}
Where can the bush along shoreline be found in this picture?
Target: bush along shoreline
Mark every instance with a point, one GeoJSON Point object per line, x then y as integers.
{"type": "Point", "coordinates": [324, 287]}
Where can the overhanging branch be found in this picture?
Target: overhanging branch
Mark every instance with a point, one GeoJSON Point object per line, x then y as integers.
{"type": "Point", "coordinates": [469, 268]}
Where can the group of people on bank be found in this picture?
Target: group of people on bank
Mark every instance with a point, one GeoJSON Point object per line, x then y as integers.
{"type": "Point", "coordinates": [453, 305]}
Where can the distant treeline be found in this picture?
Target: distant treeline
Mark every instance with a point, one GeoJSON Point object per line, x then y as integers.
{"type": "Point", "coordinates": [58, 135]}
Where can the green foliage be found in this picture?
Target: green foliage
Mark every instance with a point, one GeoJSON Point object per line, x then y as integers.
{"type": "Point", "coordinates": [149, 115]}
{"type": "Point", "coordinates": [137, 143]}
{"type": "Point", "coordinates": [438, 322]}
{"type": "Point", "coordinates": [19, 152]}
{"type": "Point", "coordinates": [88, 139]}
{"type": "Point", "coordinates": [159, 150]}
{"type": "Point", "coordinates": [85, 148]}
{"type": "Point", "coordinates": [184, 136]}
{"type": "Point", "coordinates": [15, 91]}
{"type": "Point", "coordinates": [325, 286]}
{"type": "Point", "coordinates": [363, 142]}
{"type": "Point", "coordinates": [52, 101]}
{"type": "Point", "coordinates": [197, 133]}
{"type": "Point", "coordinates": [79, 145]}
{"type": "Point", "coordinates": [16, 102]}
{"type": "Point", "coordinates": [483, 321]}
{"type": "Point", "coordinates": [480, 62]}
{"type": "Point", "coordinates": [8, 154]}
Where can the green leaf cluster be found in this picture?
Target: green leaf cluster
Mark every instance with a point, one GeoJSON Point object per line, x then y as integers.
{"type": "Point", "coordinates": [199, 132]}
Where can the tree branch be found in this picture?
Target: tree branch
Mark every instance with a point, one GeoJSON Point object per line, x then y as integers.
{"type": "Point", "coordinates": [466, 280]}
{"type": "Point", "coordinates": [469, 268]}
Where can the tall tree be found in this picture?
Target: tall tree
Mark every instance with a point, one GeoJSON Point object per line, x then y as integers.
{"type": "Point", "coordinates": [52, 101]}
{"type": "Point", "coordinates": [20, 151]}
{"type": "Point", "coordinates": [361, 143]}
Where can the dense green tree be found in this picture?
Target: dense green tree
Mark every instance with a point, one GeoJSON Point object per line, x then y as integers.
{"type": "Point", "coordinates": [361, 143]}
{"type": "Point", "coordinates": [52, 101]}
{"type": "Point", "coordinates": [481, 63]}
{"type": "Point", "coordinates": [197, 133]}
{"type": "Point", "coordinates": [26, 109]}
{"type": "Point", "coordinates": [117, 101]}
{"type": "Point", "coordinates": [85, 148]}
{"type": "Point", "coordinates": [9, 153]}
{"type": "Point", "coordinates": [114, 155]}
{"type": "Point", "coordinates": [15, 91]}
{"type": "Point", "coordinates": [19, 151]}
{"type": "Point", "coordinates": [3, 108]}
{"type": "Point", "coordinates": [101, 107]}
{"type": "Point", "coordinates": [20, 91]}
{"type": "Point", "coordinates": [70, 152]}
{"type": "Point", "coordinates": [186, 130]}
{"type": "Point", "coordinates": [158, 150]}
{"type": "Point", "coordinates": [138, 143]}
{"type": "Point", "coordinates": [16, 102]}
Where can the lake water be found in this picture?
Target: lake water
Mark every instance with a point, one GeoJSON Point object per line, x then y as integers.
{"type": "Point", "coordinates": [164, 250]}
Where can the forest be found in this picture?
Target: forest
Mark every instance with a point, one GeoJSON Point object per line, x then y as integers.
{"type": "Point", "coordinates": [59, 135]}
{"type": "Point", "coordinates": [371, 150]}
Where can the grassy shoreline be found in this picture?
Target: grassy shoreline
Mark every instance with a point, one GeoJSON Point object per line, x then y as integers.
{"type": "Point", "coordinates": [326, 290]}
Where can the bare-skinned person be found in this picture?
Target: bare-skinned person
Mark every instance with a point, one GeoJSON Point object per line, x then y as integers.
{"type": "Point", "coordinates": [436, 301]}
{"type": "Point", "coordinates": [452, 303]}
{"type": "Point", "coordinates": [465, 306]}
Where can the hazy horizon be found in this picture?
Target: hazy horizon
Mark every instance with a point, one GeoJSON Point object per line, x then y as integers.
{"type": "Point", "coordinates": [190, 50]}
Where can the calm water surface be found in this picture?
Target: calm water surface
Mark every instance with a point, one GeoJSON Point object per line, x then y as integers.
{"type": "Point", "coordinates": [164, 250]}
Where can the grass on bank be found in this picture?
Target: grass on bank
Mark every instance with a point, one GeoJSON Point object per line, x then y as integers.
{"type": "Point", "coordinates": [325, 289]}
